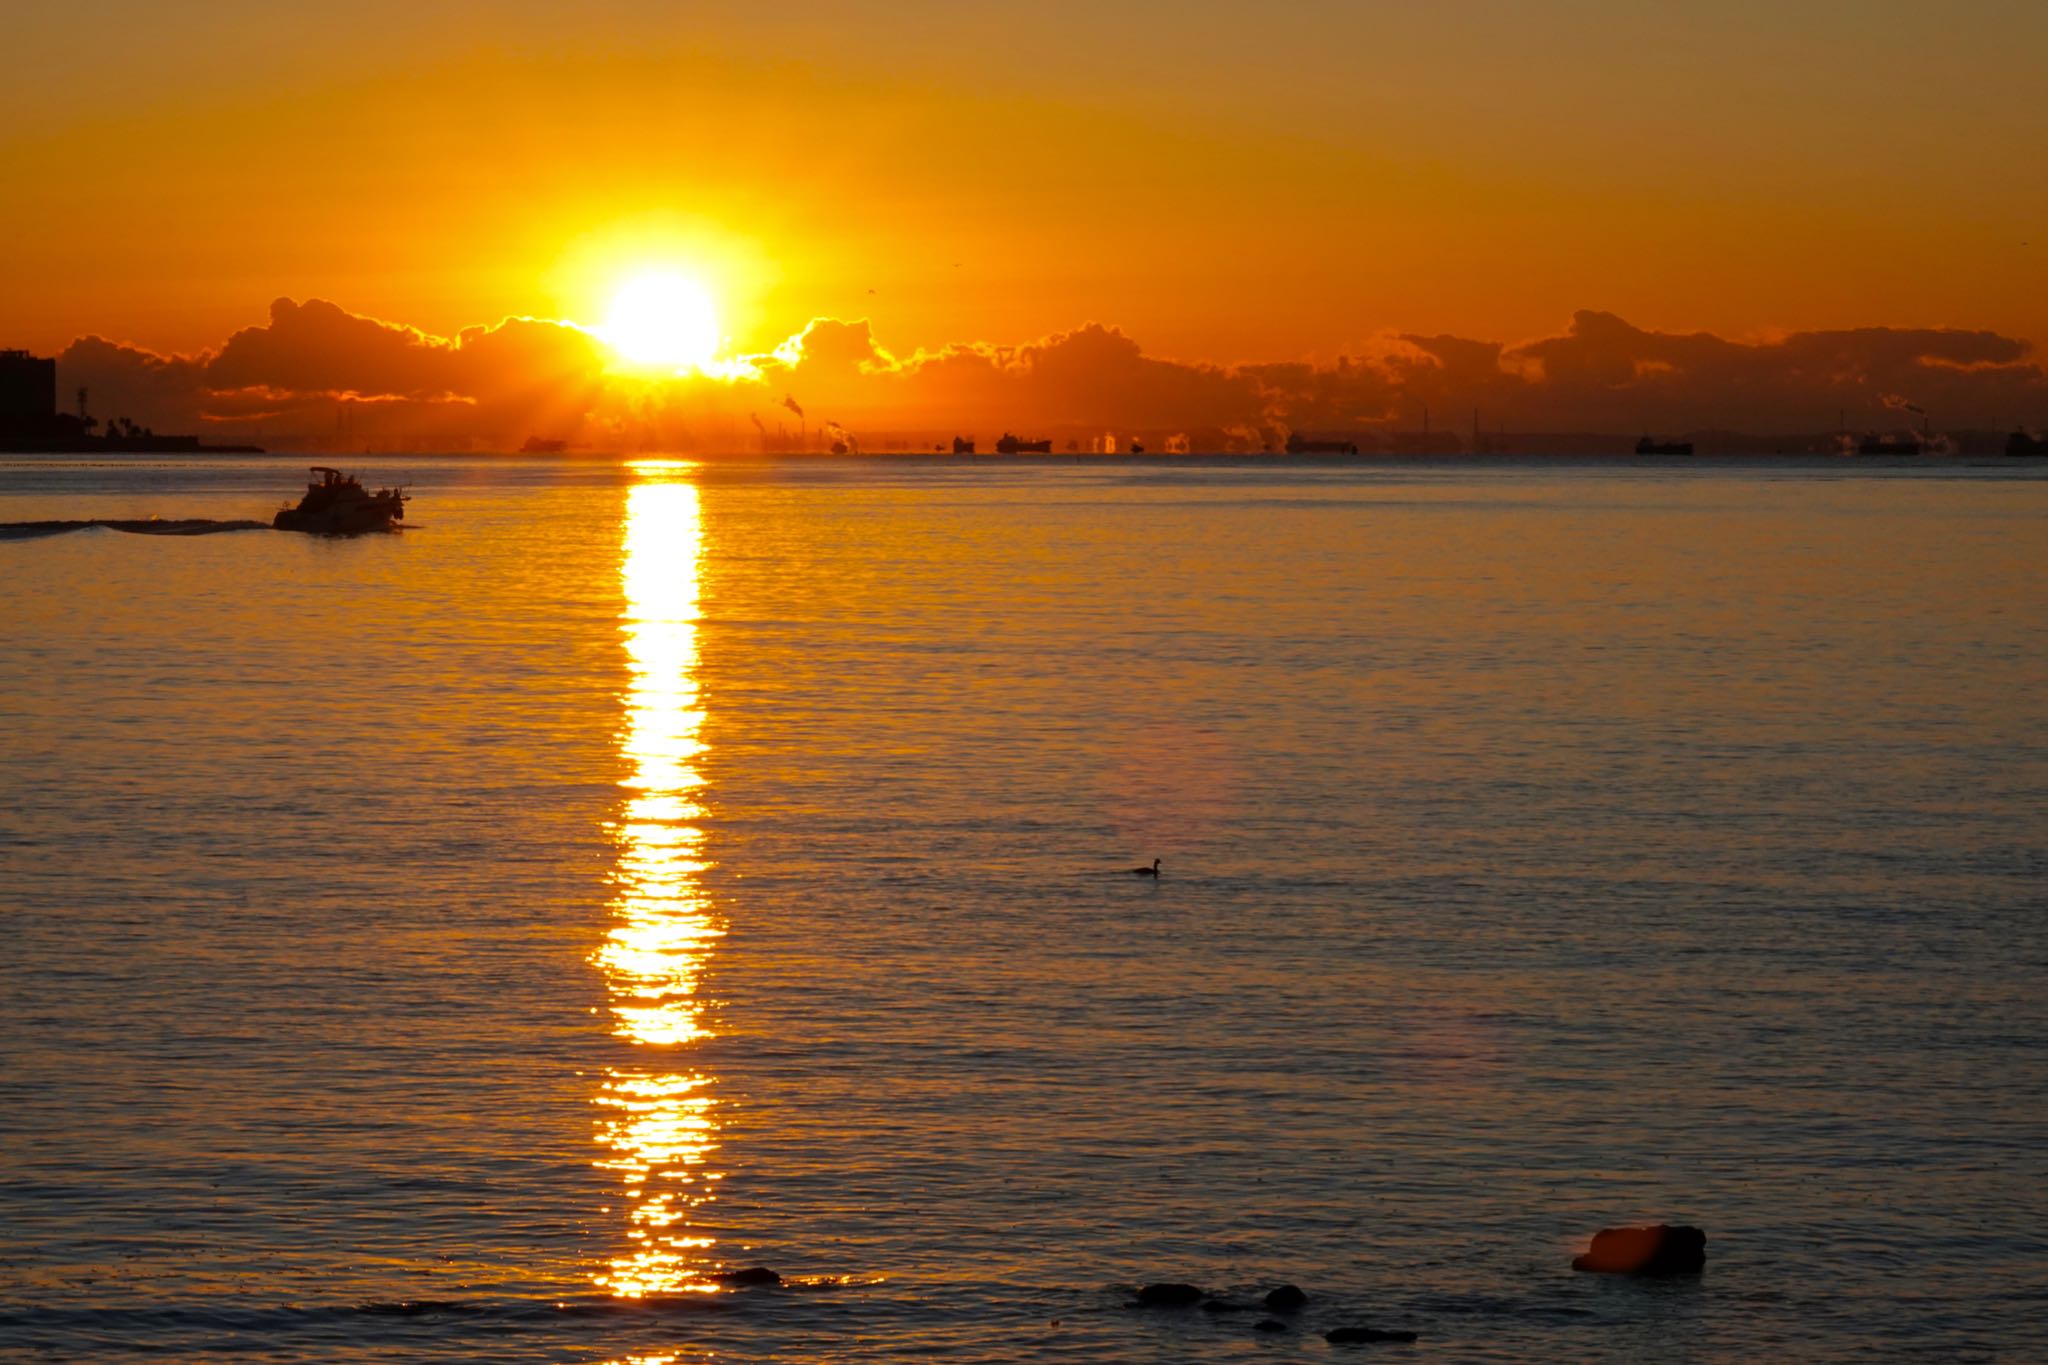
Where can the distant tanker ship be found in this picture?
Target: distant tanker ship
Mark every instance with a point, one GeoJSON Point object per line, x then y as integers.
{"type": "Point", "coordinates": [1017, 445]}
{"type": "Point", "coordinates": [1906, 442]}
{"type": "Point", "coordinates": [1646, 446]}
{"type": "Point", "coordinates": [1297, 444]}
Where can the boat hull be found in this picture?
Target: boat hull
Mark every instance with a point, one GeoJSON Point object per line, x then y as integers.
{"type": "Point", "coordinates": [353, 519]}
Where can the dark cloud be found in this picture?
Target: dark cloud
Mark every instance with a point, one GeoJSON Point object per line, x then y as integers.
{"type": "Point", "coordinates": [317, 347]}
{"type": "Point", "coordinates": [498, 384]}
{"type": "Point", "coordinates": [1604, 373]}
{"type": "Point", "coordinates": [154, 390]}
{"type": "Point", "coordinates": [295, 371]}
{"type": "Point", "coordinates": [1092, 377]}
{"type": "Point", "coordinates": [828, 351]}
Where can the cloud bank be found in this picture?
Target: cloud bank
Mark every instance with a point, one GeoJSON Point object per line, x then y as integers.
{"type": "Point", "coordinates": [318, 376]}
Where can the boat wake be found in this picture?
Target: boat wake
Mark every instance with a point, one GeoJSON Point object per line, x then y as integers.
{"type": "Point", "coordinates": [145, 526]}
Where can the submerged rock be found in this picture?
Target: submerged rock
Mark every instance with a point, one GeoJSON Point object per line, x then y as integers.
{"type": "Point", "coordinates": [1663, 1249]}
{"type": "Point", "coordinates": [1168, 1294]}
{"type": "Point", "coordinates": [753, 1274]}
{"type": "Point", "coordinates": [1227, 1306]}
{"type": "Point", "coordinates": [1353, 1336]}
{"type": "Point", "coordinates": [1286, 1299]}
{"type": "Point", "coordinates": [1270, 1325]}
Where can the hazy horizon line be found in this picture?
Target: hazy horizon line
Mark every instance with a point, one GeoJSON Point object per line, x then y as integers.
{"type": "Point", "coordinates": [315, 367]}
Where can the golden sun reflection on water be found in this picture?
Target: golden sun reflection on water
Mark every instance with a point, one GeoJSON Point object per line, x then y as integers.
{"type": "Point", "coordinates": [658, 1127]}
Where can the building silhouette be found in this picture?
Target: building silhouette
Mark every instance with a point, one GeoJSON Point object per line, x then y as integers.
{"type": "Point", "coordinates": [28, 395]}
{"type": "Point", "coordinates": [30, 422]}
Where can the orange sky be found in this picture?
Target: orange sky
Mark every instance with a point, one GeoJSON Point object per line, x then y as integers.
{"type": "Point", "coordinates": [1228, 182]}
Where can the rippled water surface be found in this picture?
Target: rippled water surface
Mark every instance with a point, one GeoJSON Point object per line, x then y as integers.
{"type": "Point", "coordinates": [473, 943]}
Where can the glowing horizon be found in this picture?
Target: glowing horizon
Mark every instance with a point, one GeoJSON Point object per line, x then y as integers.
{"type": "Point", "coordinates": [497, 385]}
{"type": "Point", "coordinates": [1232, 185]}
{"type": "Point", "coordinates": [1599, 216]}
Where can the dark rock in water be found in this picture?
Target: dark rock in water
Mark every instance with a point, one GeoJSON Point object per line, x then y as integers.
{"type": "Point", "coordinates": [1286, 1299]}
{"type": "Point", "coordinates": [1228, 1306]}
{"type": "Point", "coordinates": [753, 1274]}
{"type": "Point", "coordinates": [1352, 1336]}
{"type": "Point", "coordinates": [1270, 1325]}
{"type": "Point", "coordinates": [1660, 1250]}
{"type": "Point", "coordinates": [1169, 1295]}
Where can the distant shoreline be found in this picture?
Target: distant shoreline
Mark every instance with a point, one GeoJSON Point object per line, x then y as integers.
{"type": "Point", "coordinates": [145, 445]}
{"type": "Point", "coordinates": [1079, 457]}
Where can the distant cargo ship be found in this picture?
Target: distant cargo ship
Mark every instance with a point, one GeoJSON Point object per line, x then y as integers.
{"type": "Point", "coordinates": [1017, 445]}
{"type": "Point", "coordinates": [1646, 446]}
{"type": "Point", "coordinates": [962, 446]}
{"type": "Point", "coordinates": [543, 445]}
{"type": "Point", "coordinates": [1301, 445]}
{"type": "Point", "coordinates": [1889, 445]}
{"type": "Point", "coordinates": [2020, 443]}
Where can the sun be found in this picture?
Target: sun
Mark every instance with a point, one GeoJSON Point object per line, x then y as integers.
{"type": "Point", "coordinates": [663, 319]}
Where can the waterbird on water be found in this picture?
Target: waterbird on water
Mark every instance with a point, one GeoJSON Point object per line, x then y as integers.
{"type": "Point", "coordinates": [1151, 871]}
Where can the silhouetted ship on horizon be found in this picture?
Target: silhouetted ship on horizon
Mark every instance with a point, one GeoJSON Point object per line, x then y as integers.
{"type": "Point", "coordinates": [1017, 445]}
{"type": "Point", "coordinates": [31, 424]}
{"type": "Point", "coordinates": [962, 446]}
{"type": "Point", "coordinates": [1647, 446]}
{"type": "Point", "coordinates": [1297, 444]}
{"type": "Point", "coordinates": [543, 445]}
{"type": "Point", "coordinates": [2020, 443]}
{"type": "Point", "coordinates": [1890, 445]}
{"type": "Point", "coordinates": [337, 504]}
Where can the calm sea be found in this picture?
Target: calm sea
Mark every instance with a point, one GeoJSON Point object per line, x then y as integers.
{"type": "Point", "coordinates": [467, 944]}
